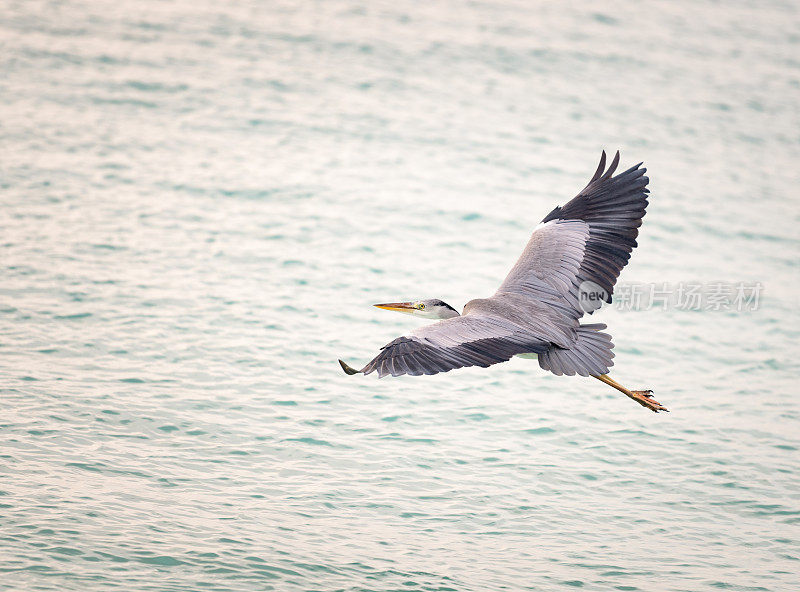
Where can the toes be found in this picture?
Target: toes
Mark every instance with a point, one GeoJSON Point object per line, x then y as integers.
{"type": "Point", "coordinates": [645, 399]}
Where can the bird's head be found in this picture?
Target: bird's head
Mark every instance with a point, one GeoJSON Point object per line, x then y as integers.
{"type": "Point", "coordinates": [427, 309]}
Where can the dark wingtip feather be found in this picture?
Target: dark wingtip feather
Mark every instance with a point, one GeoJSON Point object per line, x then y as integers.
{"type": "Point", "coordinates": [612, 167]}
{"type": "Point", "coordinates": [347, 368]}
{"type": "Point", "coordinates": [600, 168]}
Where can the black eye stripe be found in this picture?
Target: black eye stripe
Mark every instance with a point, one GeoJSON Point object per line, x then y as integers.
{"type": "Point", "coordinates": [445, 305]}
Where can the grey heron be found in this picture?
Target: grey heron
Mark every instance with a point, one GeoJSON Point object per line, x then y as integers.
{"type": "Point", "coordinates": [568, 268]}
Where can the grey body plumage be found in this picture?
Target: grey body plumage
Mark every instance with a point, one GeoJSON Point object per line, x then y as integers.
{"type": "Point", "coordinates": [538, 307]}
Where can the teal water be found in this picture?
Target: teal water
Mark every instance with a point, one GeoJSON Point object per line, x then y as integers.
{"type": "Point", "coordinates": [200, 202]}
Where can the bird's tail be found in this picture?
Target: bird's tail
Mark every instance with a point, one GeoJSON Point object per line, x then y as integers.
{"type": "Point", "coordinates": [590, 355]}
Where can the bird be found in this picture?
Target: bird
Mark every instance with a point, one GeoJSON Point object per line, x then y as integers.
{"type": "Point", "coordinates": [568, 269]}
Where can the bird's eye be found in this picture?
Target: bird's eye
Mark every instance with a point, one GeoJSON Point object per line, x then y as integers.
{"type": "Point", "coordinates": [421, 306]}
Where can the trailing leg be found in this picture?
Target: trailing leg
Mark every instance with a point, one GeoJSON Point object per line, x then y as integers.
{"type": "Point", "coordinates": [644, 398]}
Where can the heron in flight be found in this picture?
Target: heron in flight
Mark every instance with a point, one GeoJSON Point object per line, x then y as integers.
{"type": "Point", "coordinates": [568, 268]}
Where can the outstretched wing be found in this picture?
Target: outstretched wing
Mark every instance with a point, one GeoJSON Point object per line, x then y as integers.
{"type": "Point", "coordinates": [585, 243]}
{"type": "Point", "coordinates": [454, 343]}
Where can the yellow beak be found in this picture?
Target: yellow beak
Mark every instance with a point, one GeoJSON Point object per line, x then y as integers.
{"type": "Point", "coordinates": [398, 306]}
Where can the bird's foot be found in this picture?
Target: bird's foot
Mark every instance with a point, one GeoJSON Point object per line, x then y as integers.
{"type": "Point", "coordinates": [645, 399]}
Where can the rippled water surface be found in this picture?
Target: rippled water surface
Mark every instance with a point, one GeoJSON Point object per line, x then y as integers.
{"type": "Point", "coordinates": [200, 203]}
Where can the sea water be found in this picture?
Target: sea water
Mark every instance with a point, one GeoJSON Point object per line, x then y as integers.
{"type": "Point", "coordinates": [202, 200]}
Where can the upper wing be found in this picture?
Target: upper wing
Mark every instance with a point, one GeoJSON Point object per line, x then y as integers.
{"type": "Point", "coordinates": [454, 343]}
{"type": "Point", "coordinates": [590, 239]}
